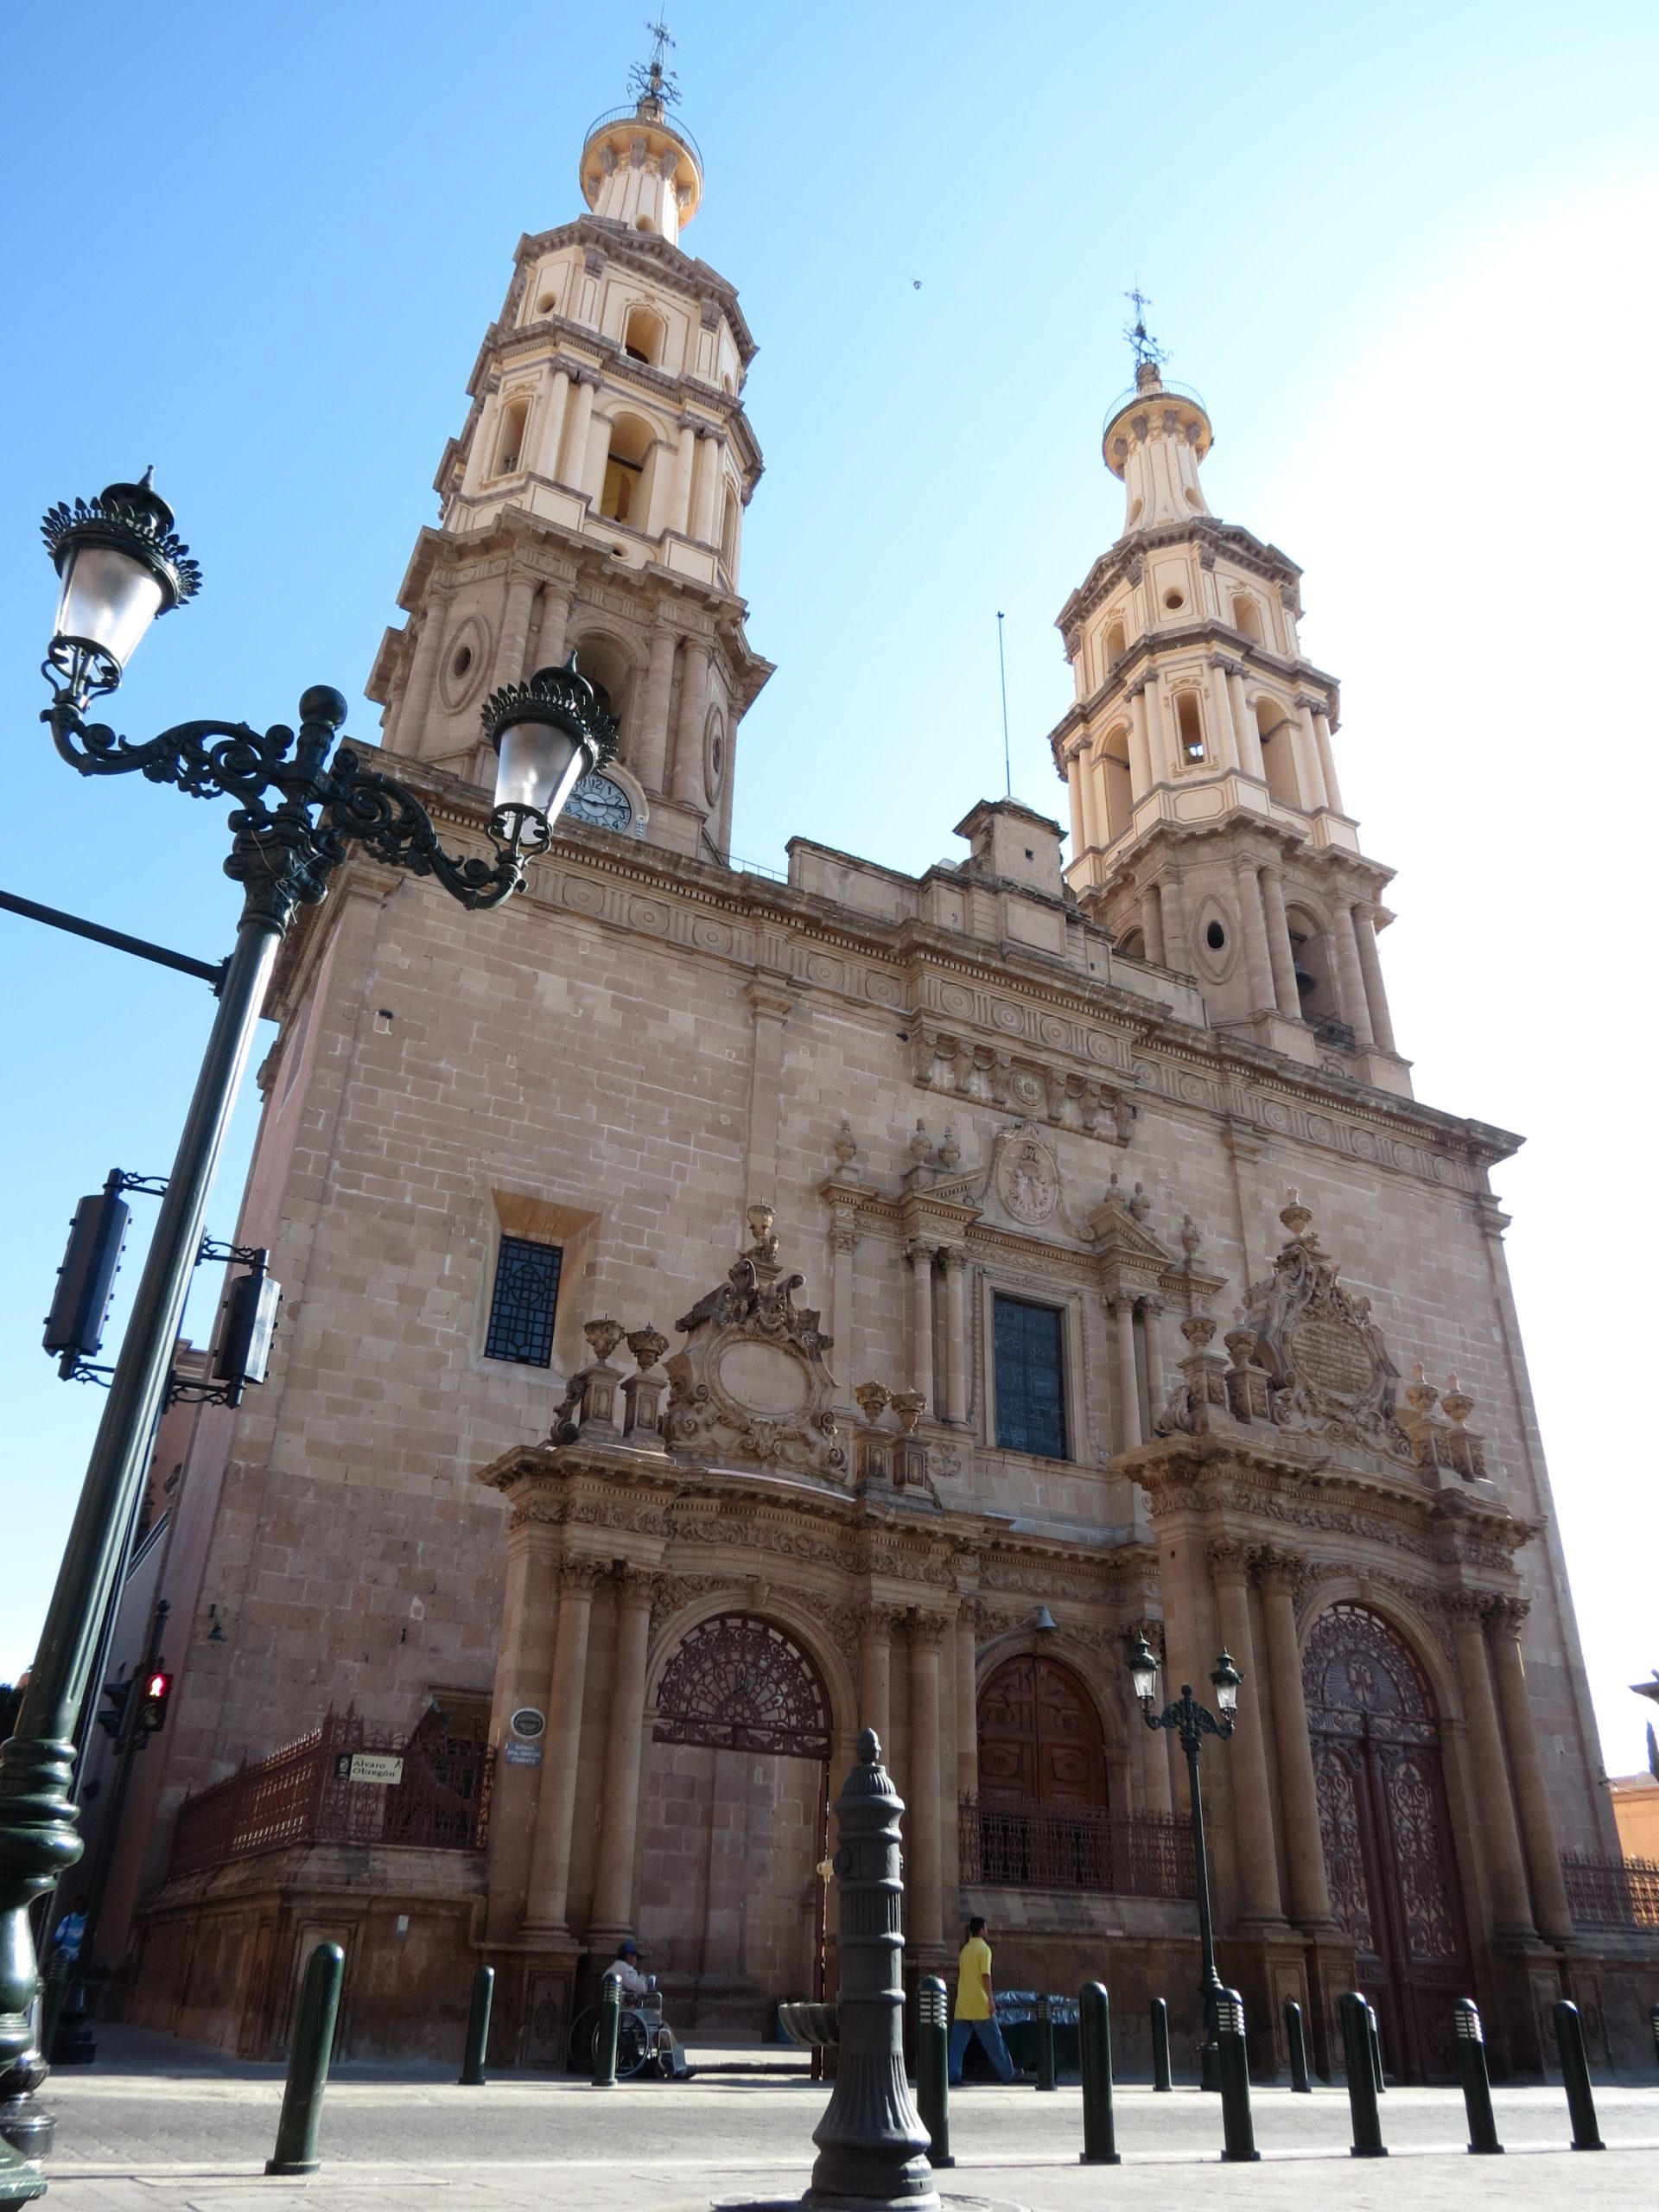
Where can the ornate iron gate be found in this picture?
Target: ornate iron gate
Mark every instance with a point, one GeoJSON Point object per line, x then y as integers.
{"type": "Point", "coordinates": [738, 1684]}
{"type": "Point", "coordinates": [1387, 1836]}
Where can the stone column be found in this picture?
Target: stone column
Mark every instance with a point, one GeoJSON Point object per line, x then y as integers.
{"type": "Point", "coordinates": [1250, 737]}
{"type": "Point", "coordinates": [679, 512]}
{"type": "Point", "coordinates": [708, 484]}
{"type": "Point", "coordinates": [687, 774]}
{"type": "Point", "coordinates": [575, 445]}
{"type": "Point", "coordinates": [1327, 759]}
{"type": "Point", "coordinates": [550, 633]}
{"type": "Point", "coordinates": [1364, 919]}
{"type": "Point", "coordinates": [1150, 1309]}
{"type": "Point", "coordinates": [1279, 951]}
{"type": "Point", "coordinates": [1298, 1796]}
{"type": "Point", "coordinates": [920, 1257]}
{"type": "Point", "coordinates": [957, 1341]}
{"type": "Point", "coordinates": [558, 403]}
{"type": "Point", "coordinates": [614, 1893]}
{"type": "Point", "coordinates": [1088, 785]}
{"type": "Point", "coordinates": [1258, 964]}
{"type": "Point", "coordinates": [549, 1865]}
{"type": "Point", "coordinates": [967, 1704]}
{"type": "Point", "coordinates": [1310, 782]}
{"type": "Point", "coordinates": [514, 640]}
{"type": "Point", "coordinates": [650, 747]}
{"type": "Point", "coordinates": [1350, 988]}
{"type": "Point", "coordinates": [422, 674]}
{"type": "Point", "coordinates": [1499, 1839]}
{"type": "Point", "coordinates": [1176, 953]}
{"type": "Point", "coordinates": [1505, 1616]}
{"type": "Point", "coordinates": [1256, 1861]}
{"type": "Point", "coordinates": [1152, 924]}
{"type": "Point", "coordinates": [1140, 745]}
{"type": "Point", "coordinates": [875, 1671]}
{"type": "Point", "coordinates": [1221, 716]}
{"type": "Point", "coordinates": [1074, 785]}
{"type": "Point", "coordinates": [925, 1824]}
{"type": "Point", "coordinates": [1128, 1386]}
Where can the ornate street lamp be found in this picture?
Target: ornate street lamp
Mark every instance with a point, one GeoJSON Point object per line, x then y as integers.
{"type": "Point", "coordinates": [1192, 1722]}
{"type": "Point", "coordinates": [298, 811]}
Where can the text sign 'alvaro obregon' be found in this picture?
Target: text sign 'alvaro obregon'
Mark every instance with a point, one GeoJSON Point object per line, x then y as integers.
{"type": "Point", "coordinates": [383, 1767]}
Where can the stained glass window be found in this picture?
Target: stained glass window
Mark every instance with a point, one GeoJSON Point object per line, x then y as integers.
{"type": "Point", "coordinates": [1030, 1379]}
{"type": "Point", "coordinates": [525, 1299]}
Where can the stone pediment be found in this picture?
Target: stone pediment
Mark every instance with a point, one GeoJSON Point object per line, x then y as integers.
{"type": "Point", "coordinates": [750, 1387]}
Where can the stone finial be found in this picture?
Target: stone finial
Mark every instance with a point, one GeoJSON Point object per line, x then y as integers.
{"type": "Point", "coordinates": [1456, 1403]}
{"type": "Point", "coordinates": [950, 1150]}
{"type": "Point", "coordinates": [909, 1406]}
{"type": "Point", "coordinates": [846, 1145]}
{"type": "Point", "coordinates": [921, 1145]}
{"type": "Point", "coordinates": [1420, 1392]}
{"type": "Point", "coordinates": [647, 1346]}
{"type": "Point", "coordinates": [1240, 1343]}
{"type": "Point", "coordinates": [873, 1399]}
{"type": "Point", "coordinates": [1198, 1329]}
{"type": "Point", "coordinates": [1295, 1216]}
{"type": "Point", "coordinates": [603, 1336]}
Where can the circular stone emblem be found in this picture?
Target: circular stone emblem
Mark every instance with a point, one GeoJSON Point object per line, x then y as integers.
{"type": "Point", "coordinates": [1028, 1180]}
{"type": "Point", "coordinates": [527, 1723]}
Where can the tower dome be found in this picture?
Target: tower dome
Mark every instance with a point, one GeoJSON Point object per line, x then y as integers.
{"type": "Point", "coordinates": [640, 164]}
{"type": "Point", "coordinates": [1155, 436]}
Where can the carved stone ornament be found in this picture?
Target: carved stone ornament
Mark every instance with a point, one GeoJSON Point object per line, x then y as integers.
{"type": "Point", "coordinates": [1027, 1177]}
{"type": "Point", "coordinates": [751, 1386]}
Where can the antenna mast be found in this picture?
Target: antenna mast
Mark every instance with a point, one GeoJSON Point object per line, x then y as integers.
{"type": "Point", "coordinates": [1002, 670]}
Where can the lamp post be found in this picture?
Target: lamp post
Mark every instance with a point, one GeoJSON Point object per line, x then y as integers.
{"type": "Point", "coordinates": [297, 813]}
{"type": "Point", "coordinates": [1192, 1722]}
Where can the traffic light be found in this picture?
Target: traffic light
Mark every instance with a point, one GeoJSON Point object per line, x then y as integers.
{"type": "Point", "coordinates": [155, 1689]}
{"type": "Point", "coordinates": [80, 1305]}
{"type": "Point", "coordinates": [114, 1720]}
{"type": "Point", "coordinates": [250, 1324]}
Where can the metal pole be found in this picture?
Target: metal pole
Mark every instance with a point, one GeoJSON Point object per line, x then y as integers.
{"type": "Point", "coordinates": [1575, 2072]}
{"type": "Point", "coordinates": [1045, 2043]}
{"type": "Point", "coordinates": [605, 2035]}
{"type": "Point", "coordinates": [1210, 2049]}
{"type": "Point", "coordinates": [1653, 2022]}
{"type": "Point", "coordinates": [478, 2028]}
{"type": "Point", "coordinates": [1296, 2037]}
{"type": "Point", "coordinates": [308, 2063]}
{"type": "Point", "coordinates": [1237, 2132]}
{"type": "Point", "coordinates": [1476, 2082]}
{"type": "Point", "coordinates": [933, 2067]}
{"type": "Point", "coordinates": [1362, 2081]}
{"type": "Point", "coordinates": [1095, 2051]}
{"type": "Point", "coordinates": [1160, 2044]}
{"type": "Point", "coordinates": [38, 1837]}
{"type": "Point", "coordinates": [1002, 672]}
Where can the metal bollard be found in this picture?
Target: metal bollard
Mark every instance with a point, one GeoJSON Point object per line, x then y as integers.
{"type": "Point", "coordinates": [1045, 2044]}
{"type": "Point", "coordinates": [1296, 2037]}
{"type": "Point", "coordinates": [308, 2063]}
{"type": "Point", "coordinates": [1575, 2071]}
{"type": "Point", "coordinates": [1476, 2082]}
{"type": "Point", "coordinates": [478, 2028]}
{"type": "Point", "coordinates": [1653, 2022]}
{"type": "Point", "coordinates": [1377, 2048]}
{"type": "Point", "coordinates": [1160, 2044]}
{"type": "Point", "coordinates": [1237, 2134]}
{"type": "Point", "coordinates": [933, 2067]}
{"type": "Point", "coordinates": [610, 2020]}
{"type": "Point", "coordinates": [1095, 2048]}
{"type": "Point", "coordinates": [1362, 2079]}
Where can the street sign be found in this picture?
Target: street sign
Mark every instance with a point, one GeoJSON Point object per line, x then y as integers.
{"type": "Point", "coordinates": [523, 1754]}
{"type": "Point", "coordinates": [382, 1767]}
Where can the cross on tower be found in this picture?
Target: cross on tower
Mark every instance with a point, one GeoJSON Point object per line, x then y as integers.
{"type": "Point", "coordinates": [651, 79]}
{"type": "Point", "coordinates": [1146, 348]}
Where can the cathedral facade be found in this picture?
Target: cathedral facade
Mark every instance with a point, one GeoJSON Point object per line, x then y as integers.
{"type": "Point", "coordinates": [724, 1313]}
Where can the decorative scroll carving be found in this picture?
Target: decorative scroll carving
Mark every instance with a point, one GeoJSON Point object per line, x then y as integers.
{"type": "Point", "coordinates": [1328, 1367]}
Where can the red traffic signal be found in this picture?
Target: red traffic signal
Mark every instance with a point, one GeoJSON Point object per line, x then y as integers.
{"type": "Point", "coordinates": [156, 1688]}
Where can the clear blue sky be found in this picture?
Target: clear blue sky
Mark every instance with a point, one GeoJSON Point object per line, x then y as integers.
{"type": "Point", "coordinates": [1403, 252]}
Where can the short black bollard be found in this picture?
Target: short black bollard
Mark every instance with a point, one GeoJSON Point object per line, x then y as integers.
{"type": "Point", "coordinates": [1376, 2049]}
{"type": "Point", "coordinates": [1045, 2044]}
{"type": "Point", "coordinates": [1237, 2134]}
{"type": "Point", "coordinates": [1476, 2082]}
{"type": "Point", "coordinates": [933, 2067]}
{"type": "Point", "coordinates": [1575, 2072]}
{"type": "Point", "coordinates": [1361, 2078]}
{"type": "Point", "coordinates": [1160, 2044]}
{"type": "Point", "coordinates": [308, 2063]}
{"type": "Point", "coordinates": [1296, 2037]}
{"type": "Point", "coordinates": [478, 2028]}
{"type": "Point", "coordinates": [610, 2020]}
{"type": "Point", "coordinates": [1653, 2022]}
{"type": "Point", "coordinates": [1094, 2049]}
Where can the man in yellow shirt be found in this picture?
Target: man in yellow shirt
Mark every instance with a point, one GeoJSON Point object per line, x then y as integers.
{"type": "Point", "coordinates": [975, 2017]}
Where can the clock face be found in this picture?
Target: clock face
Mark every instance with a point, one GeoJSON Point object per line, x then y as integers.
{"type": "Point", "coordinates": [597, 799]}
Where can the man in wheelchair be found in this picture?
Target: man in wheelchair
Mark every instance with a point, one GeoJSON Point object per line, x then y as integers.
{"type": "Point", "coordinates": [644, 2044]}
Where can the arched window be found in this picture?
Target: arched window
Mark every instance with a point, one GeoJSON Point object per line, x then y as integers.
{"type": "Point", "coordinates": [1132, 945]}
{"type": "Point", "coordinates": [607, 668]}
{"type": "Point", "coordinates": [1246, 615]}
{"type": "Point", "coordinates": [642, 339]}
{"type": "Point", "coordinates": [1115, 646]}
{"type": "Point", "coordinates": [1279, 760]}
{"type": "Point", "coordinates": [1119, 790]}
{"type": "Point", "coordinates": [1310, 951]}
{"type": "Point", "coordinates": [738, 1683]}
{"type": "Point", "coordinates": [510, 446]}
{"type": "Point", "coordinates": [1189, 728]}
{"type": "Point", "coordinates": [626, 495]}
{"type": "Point", "coordinates": [728, 530]}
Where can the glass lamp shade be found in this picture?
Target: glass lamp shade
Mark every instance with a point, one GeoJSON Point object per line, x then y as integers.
{"type": "Point", "coordinates": [538, 764]}
{"type": "Point", "coordinates": [1226, 1679]}
{"type": "Point", "coordinates": [1143, 1668]}
{"type": "Point", "coordinates": [109, 599]}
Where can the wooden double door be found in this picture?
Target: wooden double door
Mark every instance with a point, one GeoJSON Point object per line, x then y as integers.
{"type": "Point", "coordinates": [1387, 1835]}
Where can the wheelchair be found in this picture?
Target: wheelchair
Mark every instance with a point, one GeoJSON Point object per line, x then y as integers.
{"type": "Point", "coordinates": [644, 2044]}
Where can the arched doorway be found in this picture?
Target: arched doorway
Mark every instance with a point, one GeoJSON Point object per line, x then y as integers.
{"type": "Point", "coordinates": [736, 1809]}
{"type": "Point", "coordinates": [1042, 1778]}
{"type": "Point", "coordinates": [1387, 1836]}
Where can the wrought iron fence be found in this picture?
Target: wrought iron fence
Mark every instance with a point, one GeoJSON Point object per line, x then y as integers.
{"type": "Point", "coordinates": [1026, 1846]}
{"type": "Point", "coordinates": [1611, 1892]}
{"type": "Point", "coordinates": [305, 1793]}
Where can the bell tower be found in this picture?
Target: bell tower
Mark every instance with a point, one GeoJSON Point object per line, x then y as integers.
{"type": "Point", "coordinates": [594, 499]}
{"type": "Point", "coordinates": [1207, 826]}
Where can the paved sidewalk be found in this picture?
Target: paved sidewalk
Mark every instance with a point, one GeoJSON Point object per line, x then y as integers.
{"type": "Point", "coordinates": [162, 2126]}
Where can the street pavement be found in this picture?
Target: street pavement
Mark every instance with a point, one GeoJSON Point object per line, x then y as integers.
{"type": "Point", "coordinates": [159, 2125]}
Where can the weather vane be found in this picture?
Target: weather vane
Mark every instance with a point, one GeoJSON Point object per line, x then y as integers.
{"type": "Point", "coordinates": [1146, 348]}
{"type": "Point", "coordinates": [650, 79]}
